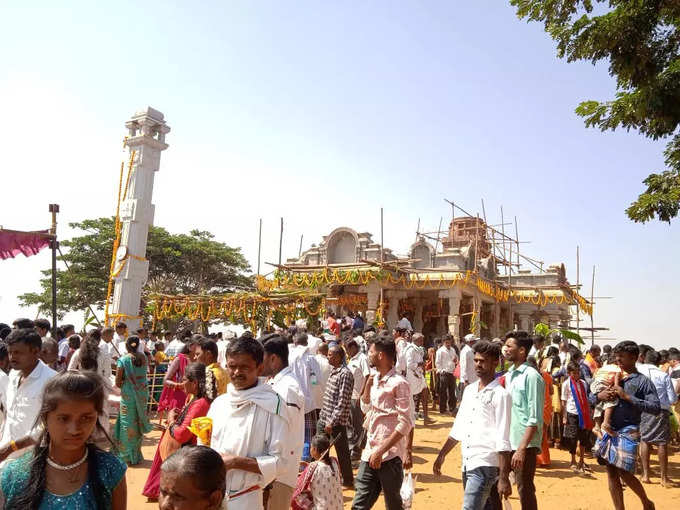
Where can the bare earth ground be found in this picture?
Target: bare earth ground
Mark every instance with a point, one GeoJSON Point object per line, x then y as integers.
{"type": "Point", "coordinates": [557, 487]}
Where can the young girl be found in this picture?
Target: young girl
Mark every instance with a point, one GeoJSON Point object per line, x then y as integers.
{"type": "Point", "coordinates": [576, 415]}
{"type": "Point", "coordinates": [320, 483]}
{"type": "Point", "coordinates": [192, 478]}
{"type": "Point", "coordinates": [65, 470]}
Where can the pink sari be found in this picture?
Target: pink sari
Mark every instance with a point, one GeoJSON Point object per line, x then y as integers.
{"type": "Point", "coordinates": [173, 398]}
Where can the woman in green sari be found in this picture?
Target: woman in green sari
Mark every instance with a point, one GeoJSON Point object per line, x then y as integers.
{"type": "Point", "coordinates": [132, 422]}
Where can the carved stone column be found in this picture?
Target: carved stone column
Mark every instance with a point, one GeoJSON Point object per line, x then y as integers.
{"type": "Point", "coordinates": [418, 316]}
{"type": "Point", "coordinates": [146, 139]}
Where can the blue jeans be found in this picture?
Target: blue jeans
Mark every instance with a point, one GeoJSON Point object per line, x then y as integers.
{"type": "Point", "coordinates": [477, 485]}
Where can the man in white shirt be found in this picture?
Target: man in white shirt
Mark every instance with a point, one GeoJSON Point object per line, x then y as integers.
{"type": "Point", "coordinates": [467, 361]}
{"type": "Point", "coordinates": [68, 330]}
{"type": "Point", "coordinates": [283, 381]}
{"type": "Point", "coordinates": [655, 430]}
{"type": "Point", "coordinates": [415, 372]}
{"type": "Point", "coordinates": [175, 347]}
{"type": "Point", "coordinates": [250, 427]}
{"type": "Point", "coordinates": [120, 336]}
{"type": "Point", "coordinates": [482, 426]}
{"type": "Point", "coordinates": [400, 342]}
{"type": "Point", "coordinates": [307, 371]}
{"type": "Point", "coordinates": [358, 365]}
{"type": "Point", "coordinates": [23, 397]}
{"type": "Point", "coordinates": [445, 361]}
{"type": "Point", "coordinates": [106, 344]}
{"type": "Point", "coordinates": [42, 327]}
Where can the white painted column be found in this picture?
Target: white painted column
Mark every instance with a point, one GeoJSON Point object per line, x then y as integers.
{"type": "Point", "coordinates": [373, 297]}
{"type": "Point", "coordinates": [146, 137]}
{"type": "Point", "coordinates": [454, 296]}
{"type": "Point", "coordinates": [393, 313]}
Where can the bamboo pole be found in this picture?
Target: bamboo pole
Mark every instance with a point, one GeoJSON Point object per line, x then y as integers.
{"type": "Point", "coordinates": [436, 246]}
{"type": "Point", "coordinates": [259, 248]}
{"type": "Point", "coordinates": [281, 241]}
{"type": "Point", "coordinates": [578, 282]}
{"type": "Point", "coordinates": [592, 313]}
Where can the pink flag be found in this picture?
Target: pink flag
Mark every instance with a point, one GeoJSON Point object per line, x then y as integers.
{"type": "Point", "coordinates": [13, 242]}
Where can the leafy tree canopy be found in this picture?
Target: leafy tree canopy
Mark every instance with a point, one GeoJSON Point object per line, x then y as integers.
{"type": "Point", "coordinates": [191, 263]}
{"type": "Point", "coordinates": [641, 41]}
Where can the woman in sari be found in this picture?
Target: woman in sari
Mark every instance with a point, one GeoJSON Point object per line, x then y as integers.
{"type": "Point", "coordinates": [132, 422]}
{"type": "Point", "coordinates": [177, 433]}
{"type": "Point", "coordinates": [173, 395]}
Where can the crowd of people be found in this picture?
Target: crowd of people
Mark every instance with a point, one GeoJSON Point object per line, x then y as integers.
{"type": "Point", "coordinates": [251, 423]}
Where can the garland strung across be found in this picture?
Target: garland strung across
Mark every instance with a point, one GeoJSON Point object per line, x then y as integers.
{"type": "Point", "coordinates": [245, 308]}
{"type": "Point", "coordinates": [326, 276]}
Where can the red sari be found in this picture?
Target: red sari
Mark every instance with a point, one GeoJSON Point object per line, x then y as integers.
{"type": "Point", "coordinates": [181, 432]}
{"type": "Point", "coordinates": [543, 459]}
{"type": "Point", "coordinates": [174, 398]}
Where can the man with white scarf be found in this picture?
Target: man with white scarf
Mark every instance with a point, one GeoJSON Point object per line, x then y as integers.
{"type": "Point", "coordinates": [250, 427]}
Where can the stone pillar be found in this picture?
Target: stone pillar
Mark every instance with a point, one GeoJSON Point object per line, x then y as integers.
{"type": "Point", "coordinates": [477, 307]}
{"type": "Point", "coordinates": [524, 321]}
{"type": "Point", "coordinates": [496, 327]}
{"type": "Point", "coordinates": [146, 137]}
{"type": "Point", "coordinates": [373, 298]}
{"type": "Point", "coordinates": [454, 296]}
{"type": "Point", "coordinates": [393, 313]}
{"type": "Point", "coordinates": [418, 316]}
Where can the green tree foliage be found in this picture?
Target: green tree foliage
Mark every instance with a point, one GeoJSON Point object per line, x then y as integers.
{"type": "Point", "coordinates": [191, 263]}
{"type": "Point", "coordinates": [641, 41]}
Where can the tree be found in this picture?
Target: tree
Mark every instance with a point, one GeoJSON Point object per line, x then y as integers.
{"type": "Point", "coordinates": [641, 41]}
{"type": "Point", "coordinates": [191, 263]}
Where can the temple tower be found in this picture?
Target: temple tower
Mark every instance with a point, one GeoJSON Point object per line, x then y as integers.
{"type": "Point", "coordinates": [146, 140]}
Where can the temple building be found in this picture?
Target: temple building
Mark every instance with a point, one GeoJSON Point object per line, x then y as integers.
{"type": "Point", "coordinates": [449, 284]}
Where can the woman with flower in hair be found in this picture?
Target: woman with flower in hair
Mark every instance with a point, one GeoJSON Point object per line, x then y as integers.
{"type": "Point", "coordinates": [132, 421]}
{"type": "Point", "coordinates": [201, 393]}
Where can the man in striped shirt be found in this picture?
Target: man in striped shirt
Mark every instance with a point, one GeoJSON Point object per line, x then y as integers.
{"type": "Point", "coordinates": [335, 412]}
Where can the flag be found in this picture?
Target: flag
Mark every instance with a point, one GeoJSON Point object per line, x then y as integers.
{"type": "Point", "coordinates": [14, 242]}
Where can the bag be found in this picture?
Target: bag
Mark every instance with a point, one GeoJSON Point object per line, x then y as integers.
{"type": "Point", "coordinates": [302, 497]}
{"type": "Point", "coordinates": [168, 445]}
{"type": "Point", "coordinates": [407, 490]}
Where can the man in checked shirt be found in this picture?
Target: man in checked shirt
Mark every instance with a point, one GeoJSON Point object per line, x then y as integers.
{"type": "Point", "coordinates": [335, 412]}
{"type": "Point", "coordinates": [388, 405]}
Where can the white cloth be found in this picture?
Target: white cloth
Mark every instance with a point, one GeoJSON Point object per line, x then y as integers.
{"type": "Point", "coordinates": [313, 342]}
{"type": "Point", "coordinates": [294, 352]}
{"type": "Point", "coordinates": [445, 360]}
{"type": "Point", "coordinates": [222, 352]}
{"type": "Point", "coordinates": [362, 343]}
{"type": "Point", "coordinates": [400, 363]}
{"type": "Point", "coordinates": [482, 424]}
{"type": "Point", "coordinates": [663, 384]}
{"type": "Point", "coordinates": [319, 389]}
{"type": "Point", "coordinates": [307, 371]}
{"type": "Point", "coordinates": [250, 423]}
{"type": "Point", "coordinates": [568, 397]}
{"type": "Point", "coordinates": [103, 363]}
{"type": "Point", "coordinates": [63, 348]}
{"type": "Point", "coordinates": [414, 369]}
{"type": "Point", "coordinates": [287, 387]}
{"type": "Point", "coordinates": [467, 365]}
{"type": "Point", "coordinates": [358, 365]}
{"type": "Point", "coordinates": [140, 348]}
{"type": "Point", "coordinates": [174, 348]}
{"type": "Point", "coordinates": [110, 348]}
{"type": "Point", "coordinates": [23, 403]}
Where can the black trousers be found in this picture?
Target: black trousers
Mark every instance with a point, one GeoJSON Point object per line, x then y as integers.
{"type": "Point", "coordinates": [525, 481]}
{"type": "Point", "coordinates": [447, 392]}
{"type": "Point", "coordinates": [341, 450]}
{"type": "Point", "coordinates": [371, 481]}
{"type": "Point", "coordinates": [357, 434]}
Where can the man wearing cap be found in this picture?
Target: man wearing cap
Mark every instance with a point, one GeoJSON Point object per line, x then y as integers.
{"type": "Point", "coordinates": [467, 361]}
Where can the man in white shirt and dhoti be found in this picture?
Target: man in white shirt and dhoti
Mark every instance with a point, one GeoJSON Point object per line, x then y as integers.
{"type": "Point", "coordinates": [250, 428]}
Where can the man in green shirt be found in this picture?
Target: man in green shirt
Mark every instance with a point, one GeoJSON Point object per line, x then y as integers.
{"type": "Point", "coordinates": [527, 389]}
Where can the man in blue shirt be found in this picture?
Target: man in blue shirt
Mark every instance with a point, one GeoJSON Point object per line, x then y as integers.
{"type": "Point", "coordinates": [636, 395]}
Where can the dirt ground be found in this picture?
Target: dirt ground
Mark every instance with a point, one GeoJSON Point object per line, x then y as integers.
{"type": "Point", "coordinates": [557, 486]}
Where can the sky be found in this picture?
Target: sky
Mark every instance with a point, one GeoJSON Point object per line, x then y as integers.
{"type": "Point", "coordinates": [322, 113]}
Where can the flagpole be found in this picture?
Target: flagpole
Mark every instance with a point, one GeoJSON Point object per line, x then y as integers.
{"type": "Point", "coordinates": [54, 209]}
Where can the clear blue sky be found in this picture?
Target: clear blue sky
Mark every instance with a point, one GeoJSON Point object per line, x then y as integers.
{"type": "Point", "coordinates": [322, 113]}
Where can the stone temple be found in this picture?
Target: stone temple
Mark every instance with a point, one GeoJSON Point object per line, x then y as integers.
{"type": "Point", "coordinates": [452, 285]}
